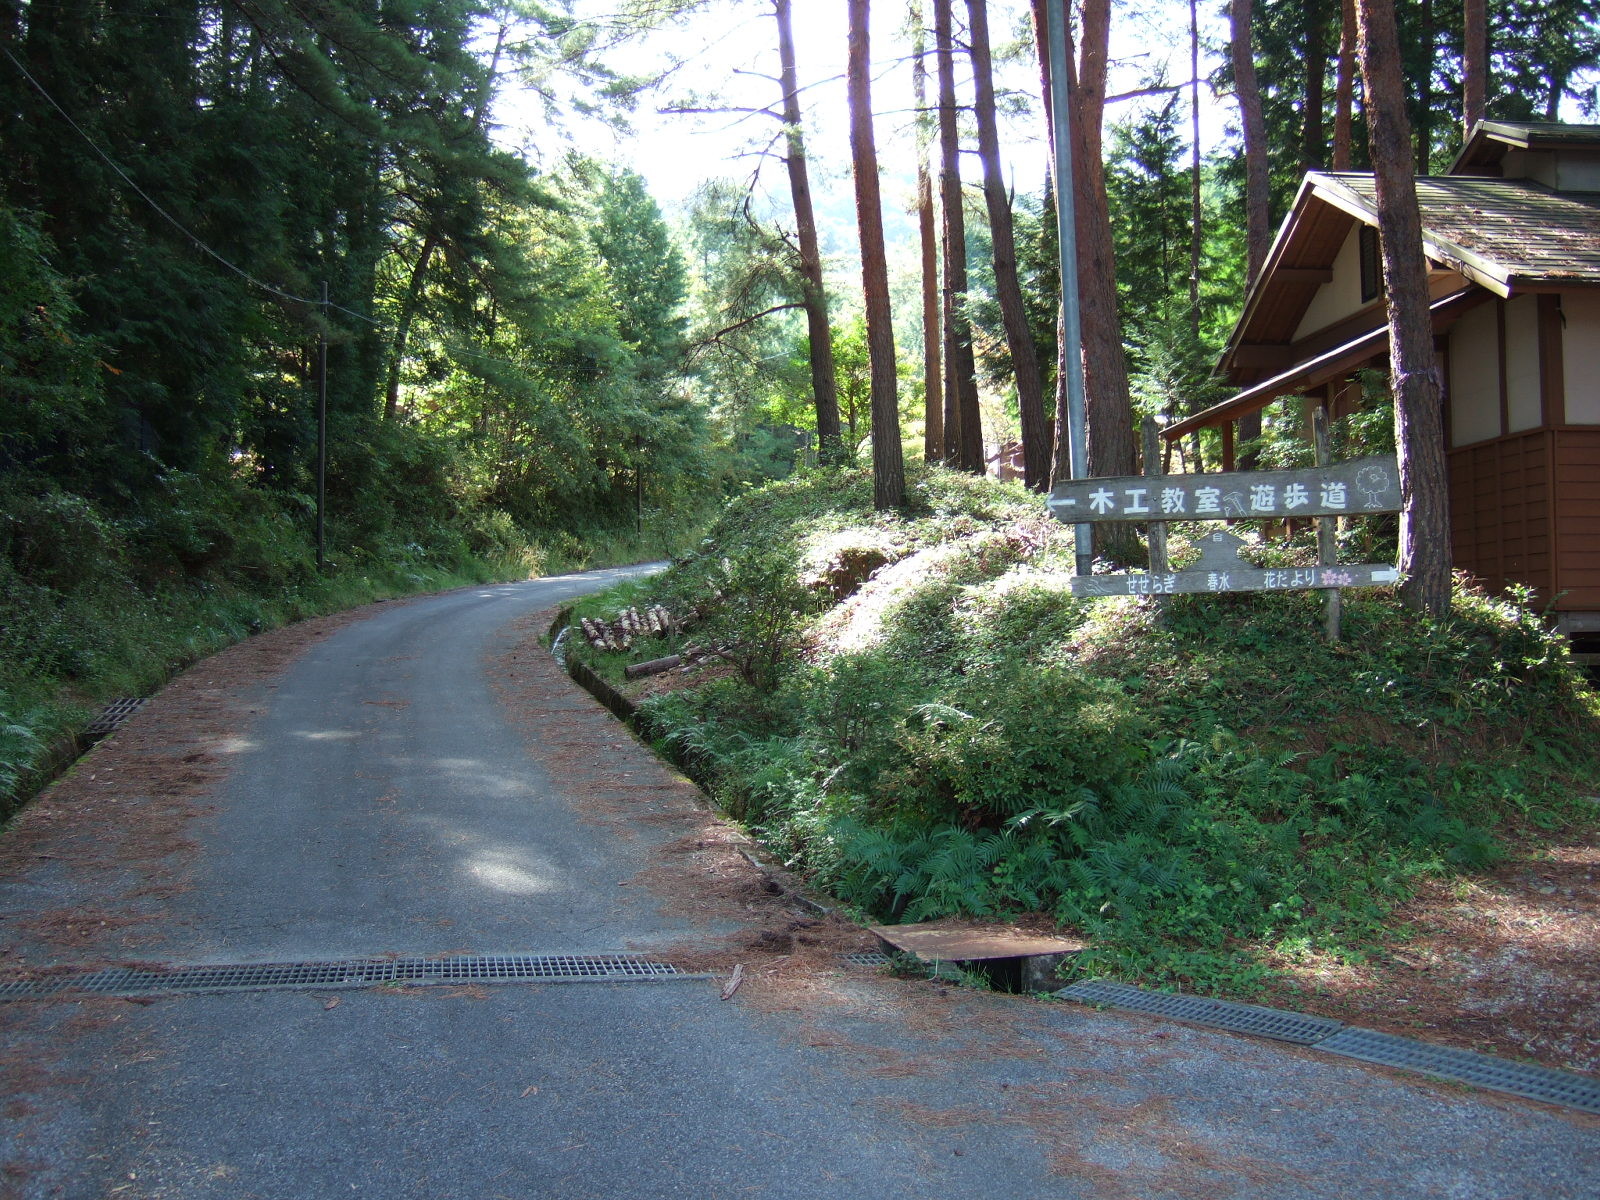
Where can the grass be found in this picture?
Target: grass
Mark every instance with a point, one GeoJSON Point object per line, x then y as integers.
{"type": "Point", "coordinates": [923, 719]}
{"type": "Point", "coordinates": [94, 608]}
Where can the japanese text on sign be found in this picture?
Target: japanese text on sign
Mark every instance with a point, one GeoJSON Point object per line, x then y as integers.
{"type": "Point", "coordinates": [1367, 485]}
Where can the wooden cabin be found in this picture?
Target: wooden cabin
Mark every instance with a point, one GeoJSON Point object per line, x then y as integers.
{"type": "Point", "coordinates": [1512, 235]}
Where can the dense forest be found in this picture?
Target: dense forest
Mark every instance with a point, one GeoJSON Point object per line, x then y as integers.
{"type": "Point", "coordinates": [285, 322]}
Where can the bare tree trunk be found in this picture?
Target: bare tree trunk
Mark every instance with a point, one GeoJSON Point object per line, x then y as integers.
{"type": "Point", "coordinates": [1413, 370]}
{"type": "Point", "coordinates": [1108, 412]}
{"type": "Point", "coordinates": [1345, 88]}
{"type": "Point", "coordinates": [824, 385]}
{"type": "Point", "coordinates": [1257, 190]}
{"type": "Point", "coordinates": [1019, 337]}
{"type": "Point", "coordinates": [963, 432]}
{"type": "Point", "coordinates": [888, 469]}
{"type": "Point", "coordinates": [1313, 143]}
{"type": "Point", "coordinates": [1196, 233]}
{"type": "Point", "coordinates": [1424, 85]}
{"type": "Point", "coordinates": [932, 321]}
{"type": "Point", "coordinates": [1257, 184]}
{"type": "Point", "coordinates": [1474, 63]}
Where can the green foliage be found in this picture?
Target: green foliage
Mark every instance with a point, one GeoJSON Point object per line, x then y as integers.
{"type": "Point", "coordinates": [1200, 788]}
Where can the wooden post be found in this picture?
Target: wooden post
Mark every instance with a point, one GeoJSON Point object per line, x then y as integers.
{"type": "Point", "coordinates": [1327, 541]}
{"type": "Point", "coordinates": [1157, 535]}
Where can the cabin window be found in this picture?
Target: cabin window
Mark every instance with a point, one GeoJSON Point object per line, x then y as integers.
{"type": "Point", "coordinates": [1371, 264]}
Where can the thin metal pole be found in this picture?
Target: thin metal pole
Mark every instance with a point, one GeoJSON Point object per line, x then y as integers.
{"type": "Point", "coordinates": [1067, 236]}
{"type": "Point", "coordinates": [322, 431]}
{"type": "Point", "coordinates": [638, 484]}
{"type": "Point", "coordinates": [1327, 536]}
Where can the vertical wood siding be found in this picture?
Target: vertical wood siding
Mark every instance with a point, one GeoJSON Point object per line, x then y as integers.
{"type": "Point", "coordinates": [1577, 519]}
{"type": "Point", "coordinates": [1500, 518]}
{"type": "Point", "coordinates": [1526, 509]}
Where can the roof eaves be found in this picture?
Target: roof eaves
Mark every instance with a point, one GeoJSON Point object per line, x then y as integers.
{"type": "Point", "coordinates": [1253, 298]}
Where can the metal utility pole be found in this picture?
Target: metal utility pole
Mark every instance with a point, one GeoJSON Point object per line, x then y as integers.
{"type": "Point", "coordinates": [1067, 237]}
{"type": "Point", "coordinates": [322, 430]}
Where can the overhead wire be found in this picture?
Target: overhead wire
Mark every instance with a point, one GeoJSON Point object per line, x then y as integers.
{"type": "Point", "coordinates": [165, 215]}
{"type": "Point", "coordinates": [200, 243]}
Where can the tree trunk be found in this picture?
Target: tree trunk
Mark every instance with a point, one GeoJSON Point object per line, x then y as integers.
{"type": "Point", "coordinates": [963, 433]}
{"type": "Point", "coordinates": [927, 227]}
{"type": "Point", "coordinates": [888, 470]}
{"type": "Point", "coordinates": [1313, 143]}
{"type": "Point", "coordinates": [1257, 188]}
{"type": "Point", "coordinates": [1019, 337]}
{"type": "Point", "coordinates": [1257, 185]}
{"type": "Point", "coordinates": [824, 384]}
{"type": "Point", "coordinates": [1345, 88]}
{"type": "Point", "coordinates": [1474, 63]}
{"type": "Point", "coordinates": [1108, 412]}
{"type": "Point", "coordinates": [1196, 209]}
{"type": "Point", "coordinates": [430, 244]}
{"type": "Point", "coordinates": [1196, 232]}
{"type": "Point", "coordinates": [1413, 369]}
{"type": "Point", "coordinates": [402, 327]}
{"type": "Point", "coordinates": [1424, 86]}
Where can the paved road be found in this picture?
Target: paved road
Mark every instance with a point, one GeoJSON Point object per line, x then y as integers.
{"type": "Point", "coordinates": [420, 781]}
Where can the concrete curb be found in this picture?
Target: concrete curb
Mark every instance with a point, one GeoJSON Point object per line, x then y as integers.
{"type": "Point", "coordinates": [778, 879]}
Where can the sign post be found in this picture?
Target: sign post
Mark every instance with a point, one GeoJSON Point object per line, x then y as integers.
{"type": "Point", "coordinates": [1327, 491]}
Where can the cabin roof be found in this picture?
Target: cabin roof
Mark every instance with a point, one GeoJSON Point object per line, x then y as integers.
{"type": "Point", "coordinates": [1504, 235]}
{"type": "Point", "coordinates": [1506, 232]}
{"type": "Point", "coordinates": [1490, 141]}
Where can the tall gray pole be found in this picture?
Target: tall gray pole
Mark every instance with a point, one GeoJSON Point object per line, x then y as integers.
{"type": "Point", "coordinates": [1067, 236]}
{"type": "Point", "coordinates": [322, 429]}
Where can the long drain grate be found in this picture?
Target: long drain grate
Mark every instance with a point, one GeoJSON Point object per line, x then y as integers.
{"type": "Point", "coordinates": [1221, 1014]}
{"type": "Point", "coordinates": [1519, 1079]}
{"type": "Point", "coordinates": [112, 716]}
{"type": "Point", "coordinates": [347, 973]}
{"type": "Point", "coordinates": [1322, 1033]}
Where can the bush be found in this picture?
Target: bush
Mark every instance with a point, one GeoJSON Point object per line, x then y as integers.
{"type": "Point", "coordinates": [1198, 786]}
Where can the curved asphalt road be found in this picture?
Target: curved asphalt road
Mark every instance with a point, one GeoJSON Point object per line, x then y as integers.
{"type": "Point", "coordinates": [381, 802]}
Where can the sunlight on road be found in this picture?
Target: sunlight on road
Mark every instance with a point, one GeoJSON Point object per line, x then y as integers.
{"type": "Point", "coordinates": [511, 873]}
{"type": "Point", "coordinates": [328, 735]}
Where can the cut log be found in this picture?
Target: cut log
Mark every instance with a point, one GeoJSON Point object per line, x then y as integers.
{"type": "Point", "coordinates": [654, 667]}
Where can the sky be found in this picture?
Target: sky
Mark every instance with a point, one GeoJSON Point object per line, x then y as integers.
{"type": "Point", "coordinates": [726, 55]}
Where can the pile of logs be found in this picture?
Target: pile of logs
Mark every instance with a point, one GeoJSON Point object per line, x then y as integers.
{"type": "Point", "coordinates": [630, 624]}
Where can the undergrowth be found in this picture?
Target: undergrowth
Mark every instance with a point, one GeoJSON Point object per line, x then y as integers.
{"type": "Point", "coordinates": [100, 601]}
{"type": "Point", "coordinates": [929, 724]}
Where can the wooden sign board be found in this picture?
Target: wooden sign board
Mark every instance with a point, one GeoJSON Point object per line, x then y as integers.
{"type": "Point", "coordinates": [1220, 569]}
{"type": "Point", "coordinates": [1243, 579]}
{"type": "Point", "coordinates": [1359, 486]}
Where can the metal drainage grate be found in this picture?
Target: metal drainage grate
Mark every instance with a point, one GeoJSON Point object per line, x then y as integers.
{"type": "Point", "coordinates": [251, 977]}
{"type": "Point", "coordinates": [870, 959]}
{"type": "Point", "coordinates": [1519, 1079]}
{"type": "Point", "coordinates": [113, 715]}
{"type": "Point", "coordinates": [1220, 1014]}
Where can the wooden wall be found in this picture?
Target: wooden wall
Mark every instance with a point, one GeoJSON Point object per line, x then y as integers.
{"type": "Point", "coordinates": [1577, 518]}
{"type": "Point", "coordinates": [1525, 508]}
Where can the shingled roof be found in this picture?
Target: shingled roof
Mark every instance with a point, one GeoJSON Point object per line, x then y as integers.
{"type": "Point", "coordinates": [1502, 233]}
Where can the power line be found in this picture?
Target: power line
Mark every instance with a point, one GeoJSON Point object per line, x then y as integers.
{"type": "Point", "coordinates": [240, 271]}
{"type": "Point", "coordinates": [168, 217]}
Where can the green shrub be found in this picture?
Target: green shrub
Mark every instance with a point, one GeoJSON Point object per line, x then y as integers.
{"type": "Point", "coordinates": [1198, 786]}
